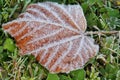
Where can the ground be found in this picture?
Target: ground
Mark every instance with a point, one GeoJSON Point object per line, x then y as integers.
{"type": "Point", "coordinates": [101, 15]}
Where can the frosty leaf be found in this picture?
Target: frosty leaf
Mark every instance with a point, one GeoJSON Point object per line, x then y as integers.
{"type": "Point", "coordinates": [54, 34]}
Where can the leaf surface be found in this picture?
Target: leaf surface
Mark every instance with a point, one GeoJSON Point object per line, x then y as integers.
{"type": "Point", "coordinates": [54, 34]}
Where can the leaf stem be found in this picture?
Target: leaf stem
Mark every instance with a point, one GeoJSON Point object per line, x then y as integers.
{"type": "Point", "coordinates": [101, 32]}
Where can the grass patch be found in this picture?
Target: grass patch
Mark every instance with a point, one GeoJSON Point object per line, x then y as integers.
{"type": "Point", "coordinates": [101, 15]}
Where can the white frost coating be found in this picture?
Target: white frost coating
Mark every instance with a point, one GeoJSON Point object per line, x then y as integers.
{"type": "Point", "coordinates": [62, 57]}
{"type": "Point", "coordinates": [51, 19]}
{"type": "Point", "coordinates": [79, 49]}
{"type": "Point", "coordinates": [77, 11]}
{"type": "Point", "coordinates": [30, 15]}
{"type": "Point", "coordinates": [37, 11]}
{"type": "Point", "coordinates": [56, 43]}
{"type": "Point", "coordinates": [33, 31]}
{"type": "Point", "coordinates": [21, 30]}
{"type": "Point", "coordinates": [95, 47]}
{"type": "Point", "coordinates": [52, 56]}
{"type": "Point", "coordinates": [45, 36]}
{"type": "Point", "coordinates": [42, 21]}
{"type": "Point", "coordinates": [85, 52]}
{"type": "Point", "coordinates": [56, 15]}
{"type": "Point", "coordinates": [42, 56]}
{"type": "Point", "coordinates": [65, 12]}
{"type": "Point", "coordinates": [70, 9]}
{"type": "Point", "coordinates": [9, 29]}
{"type": "Point", "coordinates": [26, 14]}
{"type": "Point", "coordinates": [36, 53]}
{"type": "Point", "coordinates": [88, 48]}
{"type": "Point", "coordinates": [52, 12]}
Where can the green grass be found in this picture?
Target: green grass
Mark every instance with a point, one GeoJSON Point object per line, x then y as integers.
{"type": "Point", "coordinates": [101, 15]}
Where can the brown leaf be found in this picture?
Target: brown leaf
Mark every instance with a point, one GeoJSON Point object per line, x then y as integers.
{"type": "Point", "coordinates": [54, 34]}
